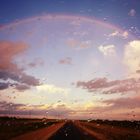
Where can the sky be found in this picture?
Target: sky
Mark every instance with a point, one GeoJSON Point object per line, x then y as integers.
{"type": "Point", "coordinates": [77, 59]}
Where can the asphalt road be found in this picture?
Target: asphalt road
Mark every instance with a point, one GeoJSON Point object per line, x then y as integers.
{"type": "Point", "coordinates": [71, 132]}
{"type": "Point", "coordinates": [41, 134]}
{"type": "Point", "coordinates": [76, 130]}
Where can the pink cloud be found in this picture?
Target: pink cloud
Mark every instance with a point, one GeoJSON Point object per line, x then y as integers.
{"type": "Point", "coordinates": [9, 70]}
{"type": "Point", "coordinates": [124, 103]}
{"type": "Point", "coordinates": [110, 87]}
{"type": "Point", "coordinates": [8, 50]}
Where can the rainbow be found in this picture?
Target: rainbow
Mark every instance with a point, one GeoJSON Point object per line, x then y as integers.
{"type": "Point", "coordinates": [56, 16]}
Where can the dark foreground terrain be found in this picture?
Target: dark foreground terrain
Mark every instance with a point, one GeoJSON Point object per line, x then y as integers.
{"type": "Point", "coordinates": [37, 129]}
{"type": "Point", "coordinates": [12, 127]}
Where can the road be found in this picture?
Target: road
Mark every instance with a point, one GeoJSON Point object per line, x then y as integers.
{"type": "Point", "coordinates": [110, 132]}
{"type": "Point", "coordinates": [41, 134]}
{"type": "Point", "coordinates": [70, 131]}
{"type": "Point", "coordinates": [75, 130]}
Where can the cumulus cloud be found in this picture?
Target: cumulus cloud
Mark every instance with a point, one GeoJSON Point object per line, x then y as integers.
{"type": "Point", "coordinates": [107, 50]}
{"type": "Point", "coordinates": [10, 70]}
{"type": "Point", "coordinates": [132, 12]}
{"type": "Point", "coordinates": [51, 89]}
{"type": "Point", "coordinates": [119, 34]}
{"type": "Point", "coordinates": [132, 55]}
{"type": "Point", "coordinates": [110, 87]}
{"type": "Point", "coordinates": [125, 34]}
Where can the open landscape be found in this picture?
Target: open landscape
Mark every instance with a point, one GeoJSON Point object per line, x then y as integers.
{"type": "Point", "coordinates": [11, 127]}
{"type": "Point", "coordinates": [45, 129]}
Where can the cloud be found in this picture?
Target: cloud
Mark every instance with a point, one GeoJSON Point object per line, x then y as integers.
{"type": "Point", "coordinates": [125, 34]}
{"type": "Point", "coordinates": [36, 62]}
{"type": "Point", "coordinates": [22, 87]}
{"type": "Point", "coordinates": [67, 61]}
{"type": "Point", "coordinates": [10, 70]}
{"type": "Point", "coordinates": [115, 33]}
{"type": "Point", "coordinates": [8, 105]}
{"type": "Point", "coordinates": [120, 108]}
{"type": "Point", "coordinates": [19, 76]}
{"type": "Point", "coordinates": [108, 50]}
{"type": "Point", "coordinates": [119, 34]}
{"type": "Point", "coordinates": [29, 80]}
{"type": "Point", "coordinates": [51, 89]}
{"type": "Point", "coordinates": [110, 109]}
{"type": "Point", "coordinates": [3, 85]}
{"type": "Point", "coordinates": [132, 12]}
{"type": "Point", "coordinates": [61, 110]}
{"type": "Point", "coordinates": [8, 50]}
{"type": "Point", "coordinates": [132, 56]}
{"type": "Point", "coordinates": [51, 111]}
{"type": "Point", "coordinates": [110, 87]}
{"type": "Point", "coordinates": [124, 103]}
{"type": "Point", "coordinates": [137, 71]}
{"type": "Point", "coordinates": [128, 86]}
